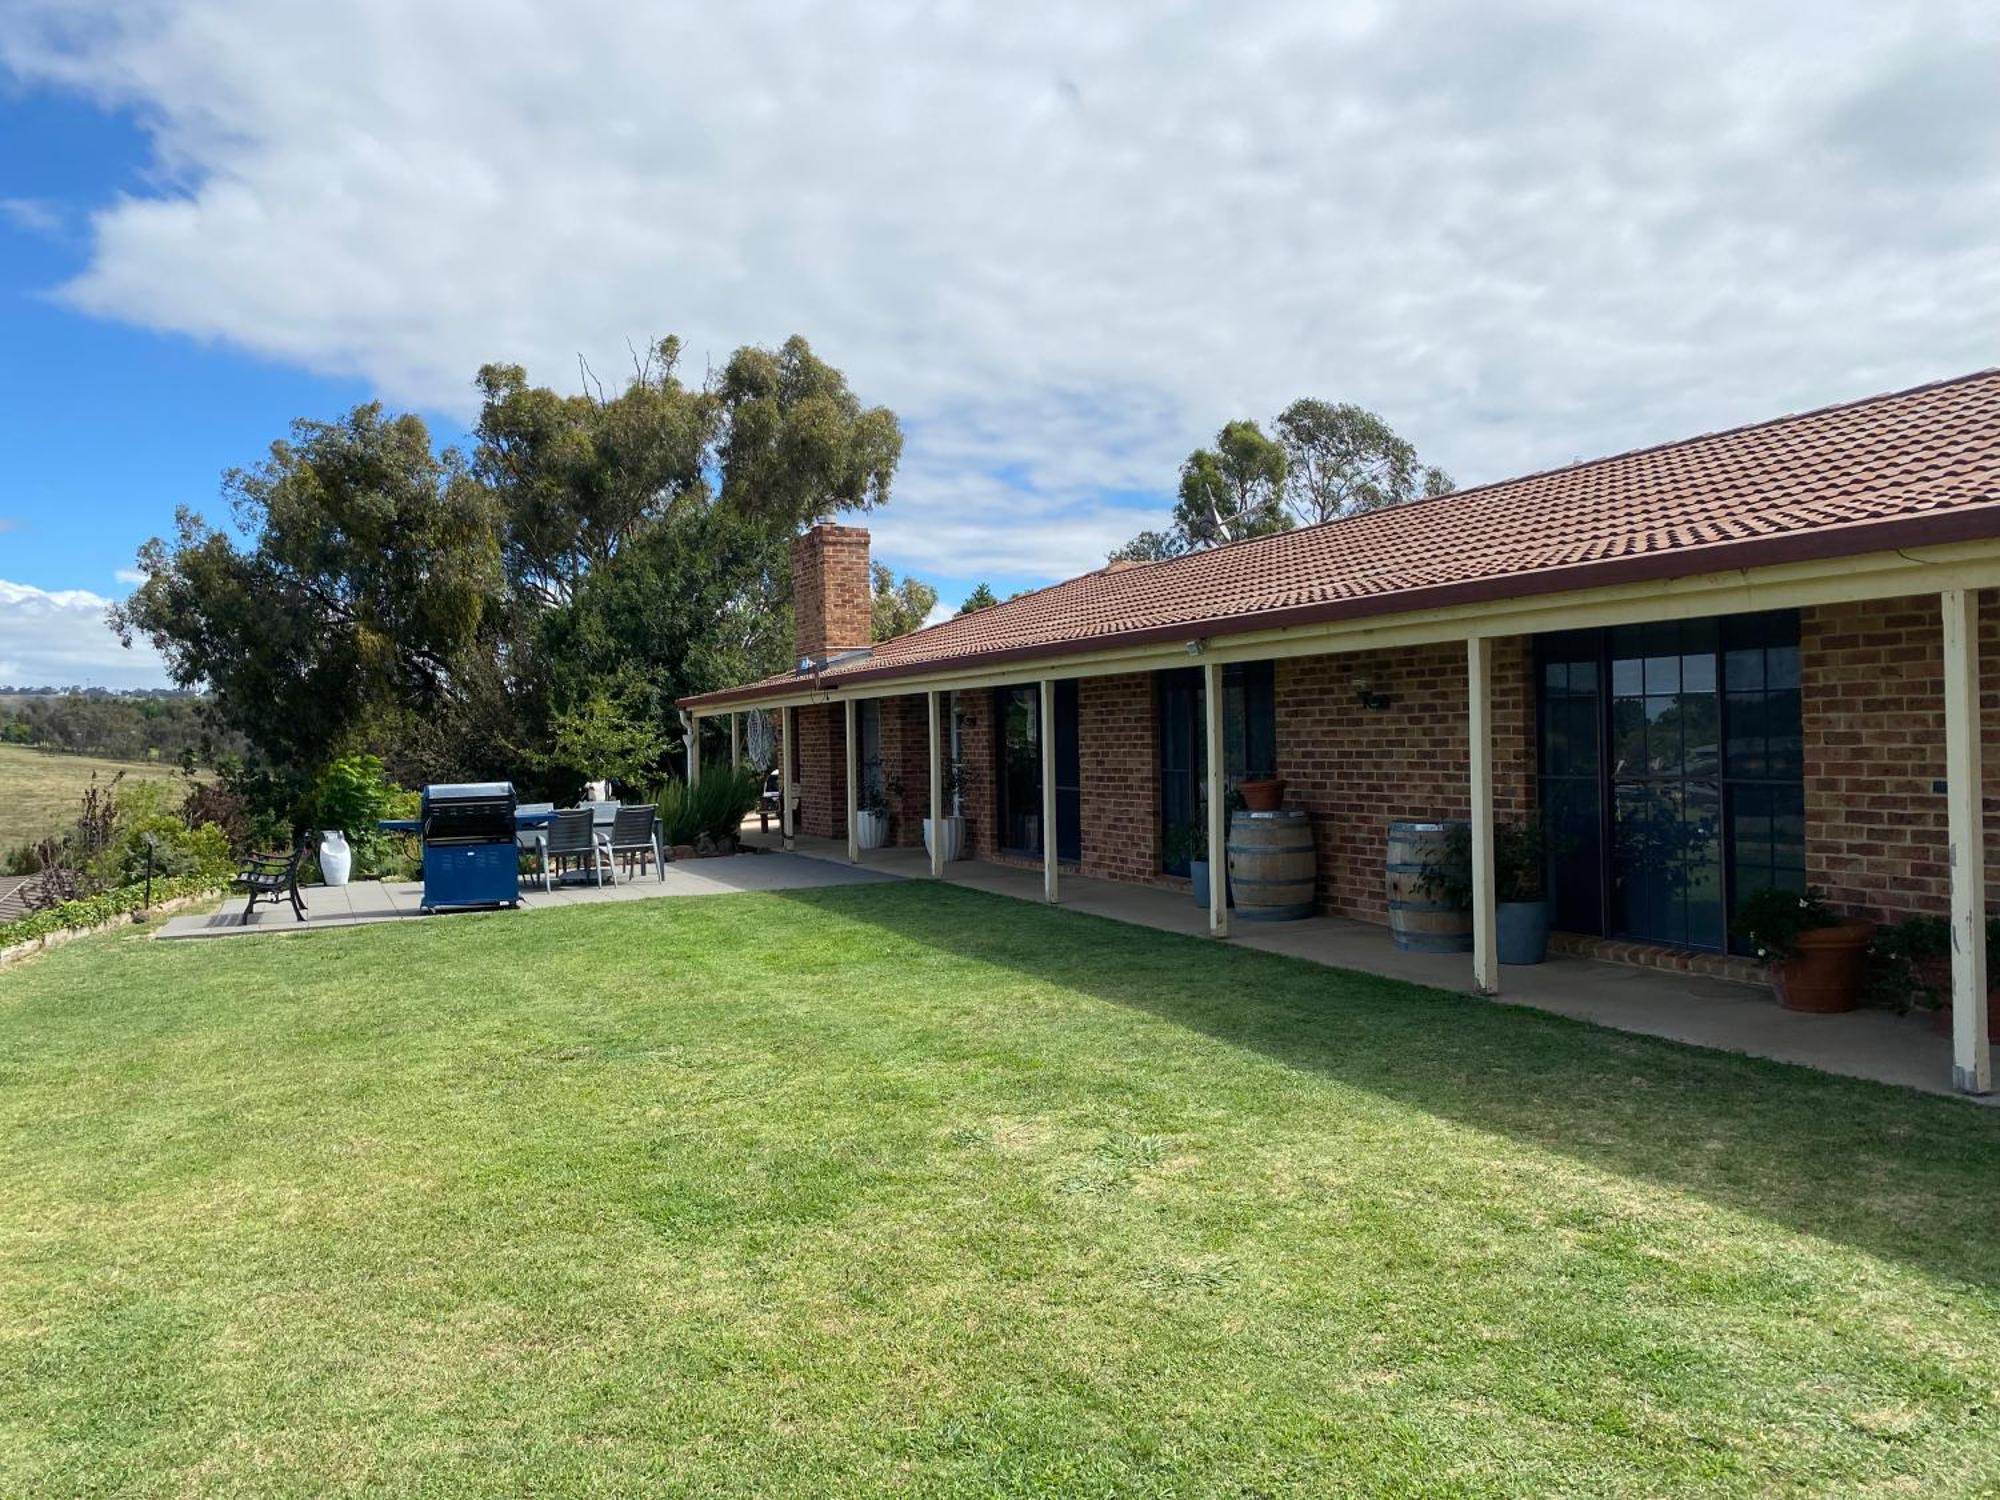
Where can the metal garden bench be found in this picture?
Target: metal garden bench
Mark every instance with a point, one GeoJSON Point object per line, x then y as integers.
{"type": "Point", "coordinates": [272, 878]}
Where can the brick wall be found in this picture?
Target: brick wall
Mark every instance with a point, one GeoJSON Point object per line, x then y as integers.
{"type": "Point", "coordinates": [906, 761]}
{"type": "Point", "coordinates": [822, 769]}
{"type": "Point", "coordinates": [1872, 710]}
{"type": "Point", "coordinates": [831, 601]}
{"type": "Point", "coordinates": [1118, 747]}
{"type": "Point", "coordinates": [1357, 770]}
{"type": "Point", "coordinates": [980, 797]}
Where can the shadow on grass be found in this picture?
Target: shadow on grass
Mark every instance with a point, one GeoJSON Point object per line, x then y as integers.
{"type": "Point", "coordinates": [1889, 1171]}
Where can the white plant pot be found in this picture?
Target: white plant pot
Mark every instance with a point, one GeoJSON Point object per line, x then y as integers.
{"type": "Point", "coordinates": [872, 829]}
{"type": "Point", "coordinates": [336, 860]}
{"type": "Point", "coordinates": [954, 837]}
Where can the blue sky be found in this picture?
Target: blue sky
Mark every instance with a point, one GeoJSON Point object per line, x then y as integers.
{"type": "Point", "coordinates": [1064, 243]}
{"type": "Point", "coordinates": [106, 427]}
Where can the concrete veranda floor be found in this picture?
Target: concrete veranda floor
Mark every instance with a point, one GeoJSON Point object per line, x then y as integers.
{"type": "Point", "coordinates": [1870, 1044]}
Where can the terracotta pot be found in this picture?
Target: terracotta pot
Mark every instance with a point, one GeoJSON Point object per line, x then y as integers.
{"type": "Point", "coordinates": [1825, 976]}
{"type": "Point", "coordinates": [1265, 794]}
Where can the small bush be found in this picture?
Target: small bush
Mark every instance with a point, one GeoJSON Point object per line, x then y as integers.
{"type": "Point", "coordinates": [1771, 921]}
{"type": "Point", "coordinates": [717, 807]}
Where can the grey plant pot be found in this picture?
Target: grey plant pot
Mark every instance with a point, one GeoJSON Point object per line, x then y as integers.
{"type": "Point", "coordinates": [1523, 931]}
{"type": "Point", "coordinates": [1198, 873]}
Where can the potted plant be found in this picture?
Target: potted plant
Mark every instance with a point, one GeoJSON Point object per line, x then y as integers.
{"type": "Point", "coordinates": [1187, 843]}
{"type": "Point", "coordinates": [1913, 969]}
{"type": "Point", "coordinates": [1814, 954]}
{"type": "Point", "coordinates": [954, 823]}
{"type": "Point", "coordinates": [1519, 862]}
{"type": "Point", "coordinates": [1262, 793]}
{"type": "Point", "coordinates": [871, 822]}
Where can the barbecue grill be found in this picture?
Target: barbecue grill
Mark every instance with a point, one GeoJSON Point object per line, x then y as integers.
{"type": "Point", "coordinates": [470, 856]}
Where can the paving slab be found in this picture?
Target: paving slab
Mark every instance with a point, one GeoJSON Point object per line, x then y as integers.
{"type": "Point", "coordinates": [361, 902]}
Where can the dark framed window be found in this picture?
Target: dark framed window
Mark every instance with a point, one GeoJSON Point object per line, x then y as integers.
{"type": "Point", "coordinates": [1671, 773]}
{"type": "Point", "coordinates": [1570, 706]}
{"type": "Point", "coordinates": [1018, 718]}
{"type": "Point", "coordinates": [868, 749]}
{"type": "Point", "coordinates": [1763, 754]}
{"type": "Point", "coordinates": [1249, 738]}
{"type": "Point", "coordinates": [1022, 740]}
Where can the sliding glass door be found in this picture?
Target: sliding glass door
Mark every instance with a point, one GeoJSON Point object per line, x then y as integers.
{"type": "Point", "coordinates": [1671, 774]}
{"type": "Point", "coordinates": [1249, 740]}
{"type": "Point", "coordinates": [1018, 713]}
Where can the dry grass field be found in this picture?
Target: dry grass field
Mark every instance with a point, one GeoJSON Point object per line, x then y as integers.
{"type": "Point", "coordinates": [39, 789]}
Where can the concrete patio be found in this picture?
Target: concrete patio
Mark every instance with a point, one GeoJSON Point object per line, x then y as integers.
{"type": "Point", "coordinates": [367, 901]}
{"type": "Point", "coordinates": [1730, 1017]}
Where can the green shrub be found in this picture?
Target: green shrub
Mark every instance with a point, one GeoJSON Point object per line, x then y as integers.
{"type": "Point", "coordinates": [717, 807]}
{"type": "Point", "coordinates": [389, 856]}
{"type": "Point", "coordinates": [351, 795]}
{"type": "Point", "coordinates": [105, 906]}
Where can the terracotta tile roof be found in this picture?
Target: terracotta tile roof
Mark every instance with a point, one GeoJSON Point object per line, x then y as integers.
{"type": "Point", "coordinates": [1898, 470]}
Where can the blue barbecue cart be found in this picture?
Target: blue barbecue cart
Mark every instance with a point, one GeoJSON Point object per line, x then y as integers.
{"type": "Point", "coordinates": [471, 857]}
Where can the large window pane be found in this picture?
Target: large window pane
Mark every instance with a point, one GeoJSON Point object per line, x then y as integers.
{"type": "Point", "coordinates": [1020, 770]}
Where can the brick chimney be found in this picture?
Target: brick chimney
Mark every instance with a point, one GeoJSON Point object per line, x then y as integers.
{"type": "Point", "coordinates": [831, 597]}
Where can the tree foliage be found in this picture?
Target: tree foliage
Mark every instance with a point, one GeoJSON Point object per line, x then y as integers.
{"type": "Point", "coordinates": [1326, 461]}
{"type": "Point", "coordinates": [372, 567]}
{"type": "Point", "coordinates": [1340, 459]}
{"type": "Point", "coordinates": [981, 597]}
{"type": "Point", "coordinates": [1233, 490]}
{"type": "Point", "coordinates": [608, 736]}
{"type": "Point", "coordinates": [898, 608]}
{"type": "Point", "coordinates": [1151, 546]}
{"type": "Point", "coordinates": [597, 556]}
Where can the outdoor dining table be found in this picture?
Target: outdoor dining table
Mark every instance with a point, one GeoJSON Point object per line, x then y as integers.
{"type": "Point", "coordinates": [416, 825]}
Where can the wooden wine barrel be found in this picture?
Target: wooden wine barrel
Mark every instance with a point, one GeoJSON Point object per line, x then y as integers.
{"type": "Point", "coordinates": [1418, 921]}
{"type": "Point", "coordinates": [1271, 866]}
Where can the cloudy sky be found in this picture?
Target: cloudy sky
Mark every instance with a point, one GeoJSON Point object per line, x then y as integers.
{"type": "Point", "coordinates": [1065, 243]}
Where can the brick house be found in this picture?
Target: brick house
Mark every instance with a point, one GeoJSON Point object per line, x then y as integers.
{"type": "Point", "coordinates": [1769, 639]}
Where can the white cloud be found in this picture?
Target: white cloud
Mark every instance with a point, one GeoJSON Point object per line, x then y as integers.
{"type": "Point", "coordinates": [1067, 242]}
{"type": "Point", "coordinates": [35, 215]}
{"type": "Point", "coordinates": [59, 638]}
{"type": "Point", "coordinates": [130, 575]}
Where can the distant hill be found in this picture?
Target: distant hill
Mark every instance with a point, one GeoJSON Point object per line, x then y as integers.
{"type": "Point", "coordinates": [153, 725]}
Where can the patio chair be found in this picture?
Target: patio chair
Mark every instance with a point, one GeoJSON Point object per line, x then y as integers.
{"type": "Point", "coordinates": [604, 813]}
{"type": "Point", "coordinates": [573, 838]}
{"type": "Point", "coordinates": [535, 841]}
{"type": "Point", "coordinates": [635, 834]}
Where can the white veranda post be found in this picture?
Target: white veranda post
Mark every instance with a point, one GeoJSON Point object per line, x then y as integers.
{"type": "Point", "coordinates": [1048, 752]}
{"type": "Point", "coordinates": [1971, 1052]}
{"type": "Point", "coordinates": [736, 742]}
{"type": "Point", "coordinates": [694, 749]}
{"type": "Point", "coordinates": [937, 787]}
{"type": "Point", "coordinates": [1218, 813]}
{"type": "Point", "coordinates": [853, 789]}
{"type": "Point", "coordinates": [787, 725]}
{"type": "Point", "coordinates": [1479, 733]}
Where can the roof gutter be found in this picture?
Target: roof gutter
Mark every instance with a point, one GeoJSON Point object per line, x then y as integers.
{"type": "Point", "coordinates": [1959, 523]}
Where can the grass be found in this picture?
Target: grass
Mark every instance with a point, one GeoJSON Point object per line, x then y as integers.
{"type": "Point", "coordinates": [897, 1189]}
{"type": "Point", "coordinates": [40, 789]}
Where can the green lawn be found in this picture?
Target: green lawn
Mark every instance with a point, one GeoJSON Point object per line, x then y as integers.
{"type": "Point", "coordinates": [899, 1189]}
